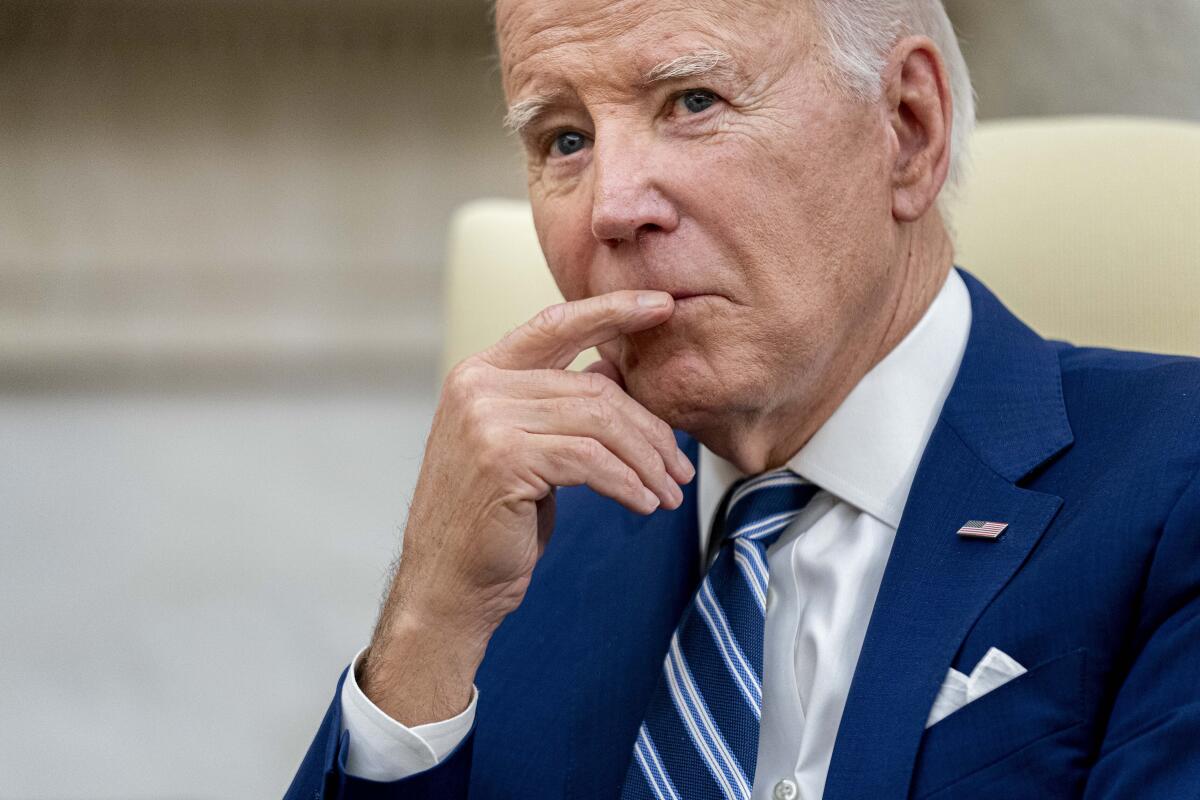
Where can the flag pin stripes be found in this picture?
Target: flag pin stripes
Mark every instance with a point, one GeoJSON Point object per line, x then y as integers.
{"type": "Point", "coordinates": [981, 529]}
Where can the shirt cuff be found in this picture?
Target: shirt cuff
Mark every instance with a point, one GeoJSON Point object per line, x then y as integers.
{"type": "Point", "coordinates": [381, 749]}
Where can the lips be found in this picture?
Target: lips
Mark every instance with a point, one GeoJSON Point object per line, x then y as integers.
{"type": "Point", "coordinates": [687, 297]}
{"type": "Point", "coordinates": [679, 295]}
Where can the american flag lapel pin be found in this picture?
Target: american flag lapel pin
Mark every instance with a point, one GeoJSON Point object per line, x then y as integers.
{"type": "Point", "coordinates": [982, 529]}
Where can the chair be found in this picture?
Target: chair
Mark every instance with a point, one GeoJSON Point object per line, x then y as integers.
{"type": "Point", "coordinates": [1088, 228]}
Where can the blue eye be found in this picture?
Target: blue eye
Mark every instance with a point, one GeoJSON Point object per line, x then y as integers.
{"type": "Point", "coordinates": [697, 100]}
{"type": "Point", "coordinates": [569, 142]}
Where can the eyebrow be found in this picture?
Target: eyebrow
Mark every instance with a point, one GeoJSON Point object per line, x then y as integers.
{"type": "Point", "coordinates": [522, 114]}
{"type": "Point", "coordinates": [698, 64]}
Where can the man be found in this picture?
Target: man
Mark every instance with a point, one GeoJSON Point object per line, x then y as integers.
{"type": "Point", "coordinates": [929, 554]}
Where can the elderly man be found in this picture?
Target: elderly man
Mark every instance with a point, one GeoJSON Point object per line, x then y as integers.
{"type": "Point", "coordinates": [928, 553]}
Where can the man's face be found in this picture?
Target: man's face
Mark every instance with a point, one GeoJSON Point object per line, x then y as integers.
{"type": "Point", "coordinates": [746, 185]}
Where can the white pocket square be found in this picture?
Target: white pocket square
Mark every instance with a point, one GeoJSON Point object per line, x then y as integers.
{"type": "Point", "coordinates": [995, 669]}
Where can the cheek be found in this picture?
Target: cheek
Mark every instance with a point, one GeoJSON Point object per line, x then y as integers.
{"type": "Point", "coordinates": [564, 233]}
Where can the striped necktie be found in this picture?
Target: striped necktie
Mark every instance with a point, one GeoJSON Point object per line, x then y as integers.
{"type": "Point", "coordinates": [699, 738]}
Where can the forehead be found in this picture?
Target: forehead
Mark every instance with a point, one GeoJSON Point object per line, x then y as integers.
{"type": "Point", "coordinates": [591, 41]}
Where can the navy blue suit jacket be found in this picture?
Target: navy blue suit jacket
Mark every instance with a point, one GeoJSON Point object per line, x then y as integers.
{"type": "Point", "coordinates": [1091, 456]}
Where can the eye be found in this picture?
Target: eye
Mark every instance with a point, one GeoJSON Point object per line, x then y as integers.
{"type": "Point", "coordinates": [568, 143]}
{"type": "Point", "coordinates": [697, 100]}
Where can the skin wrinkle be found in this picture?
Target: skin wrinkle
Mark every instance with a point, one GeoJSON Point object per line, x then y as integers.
{"type": "Point", "coordinates": [700, 65]}
{"type": "Point", "coordinates": [786, 201]}
{"type": "Point", "coordinates": [611, 21]}
{"type": "Point", "coordinates": [552, 32]}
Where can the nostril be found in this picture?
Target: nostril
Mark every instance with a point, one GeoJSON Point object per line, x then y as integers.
{"type": "Point", "coordinates": [645, 230]}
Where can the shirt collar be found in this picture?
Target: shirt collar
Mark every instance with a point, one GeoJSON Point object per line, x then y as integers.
{"type": "Point", "coordinates": [867, 452]}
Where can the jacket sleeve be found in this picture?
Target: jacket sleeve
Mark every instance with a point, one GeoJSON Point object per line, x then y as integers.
{"type": "Point", "coordinates": [1151, 749]}
{"type": "Point", "coordinates": [322, 774]}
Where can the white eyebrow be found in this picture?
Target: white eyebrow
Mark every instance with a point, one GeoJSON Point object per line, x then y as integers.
{"type": "Point", "coordinates": [689, 65]}
{"type": "Point", "coordinates": [521, 114]}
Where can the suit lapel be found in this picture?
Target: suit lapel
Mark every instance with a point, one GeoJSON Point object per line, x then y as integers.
{"type": "Point", "coordinates": [934, 587]}
{"type": "Point", "coordinates": [1003, 418]}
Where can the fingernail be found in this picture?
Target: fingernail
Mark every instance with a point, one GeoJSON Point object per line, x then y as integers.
{"type": "Point", "coordinates": [652, 299]}
{"type": "Point", "coordinates": [685, 465]}
{"type": "Point", "coordinates": [651, 500]}
{"type": "Point", "coordinates": [676, 493]}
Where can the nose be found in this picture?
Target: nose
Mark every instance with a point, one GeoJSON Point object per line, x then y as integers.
{"type": "Point", "coordinates": [627, 199]}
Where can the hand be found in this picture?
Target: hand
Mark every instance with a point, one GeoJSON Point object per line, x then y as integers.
{"type": "Point", "coordinates": [511, 425]}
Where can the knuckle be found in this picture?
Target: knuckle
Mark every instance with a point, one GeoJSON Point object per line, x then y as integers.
{"type": "Point", "coordinates": [648, 455]}
{"type": "Point", "coordinates": [586, 449]}
{"type": "Point", "coordinates": [477, 411]}
{"type": "Point", "coordinates": [598, 385]}
{"type": "Point", "coordinates": [488, 439]}
{"type": "Point", "coordinates": [616, 304]}
{"type": "Point", "coordinates": [559, 459]}
{"type": "Point", "coordinates": [464, 378]}
{"type": "Point", "coordinates": [492, 448]}
{"type": "Point", "coordinates": [600, 415]}
{"type": "Point", "coordinates": [631, 482]}
{"type": "Point", "coordinates": [549, 320]}
{"type": "Point", "coordinates": [665, 435]}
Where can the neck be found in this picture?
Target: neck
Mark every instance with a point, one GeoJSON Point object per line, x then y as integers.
{"type": "Point", "coordinates": [772, 438]}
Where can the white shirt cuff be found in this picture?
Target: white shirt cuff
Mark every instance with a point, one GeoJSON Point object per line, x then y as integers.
{"type": "Point", "coordinates": [381, 749]}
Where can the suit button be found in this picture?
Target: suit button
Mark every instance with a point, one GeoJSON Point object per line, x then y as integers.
{"type": "Point", "coordinates": [785, 790]}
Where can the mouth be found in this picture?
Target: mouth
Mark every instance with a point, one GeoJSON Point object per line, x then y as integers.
{"type": "Point", "coordinates": [690, 298]}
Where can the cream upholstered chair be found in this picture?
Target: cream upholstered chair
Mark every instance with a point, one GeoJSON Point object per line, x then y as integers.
{"type": "Point", "coordinates": [1087, 228]}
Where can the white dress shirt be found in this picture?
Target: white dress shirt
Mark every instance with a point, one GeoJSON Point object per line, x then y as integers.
{"type": "Point", "coordinates": [824, 570]}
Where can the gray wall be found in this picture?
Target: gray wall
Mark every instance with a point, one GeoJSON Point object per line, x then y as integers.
{"type": "Point", "coordinates": [1037, 57]}
{"type": "Point", "coordinates": [194, 186]}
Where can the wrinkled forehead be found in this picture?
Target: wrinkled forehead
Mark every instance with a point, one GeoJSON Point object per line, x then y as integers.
{"type": "Point", "coordinates": [618, 40]}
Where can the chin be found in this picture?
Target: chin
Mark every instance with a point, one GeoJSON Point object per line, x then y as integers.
{"type": "Point", "coordinates": [677, 385]}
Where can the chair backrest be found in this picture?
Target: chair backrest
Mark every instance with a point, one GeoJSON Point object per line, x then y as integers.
{"type": "Point", "coordinates": [1087, 228]}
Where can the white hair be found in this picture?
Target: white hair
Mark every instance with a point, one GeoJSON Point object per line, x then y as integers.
{"type": "Point", "coordinates": [860, 35]}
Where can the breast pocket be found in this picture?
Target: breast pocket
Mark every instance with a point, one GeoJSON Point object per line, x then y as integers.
{"type": "Point", "coordinates": [1047, 699]}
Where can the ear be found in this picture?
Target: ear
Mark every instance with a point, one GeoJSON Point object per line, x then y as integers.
{"type": "Point", "coordinates": [920, 113]}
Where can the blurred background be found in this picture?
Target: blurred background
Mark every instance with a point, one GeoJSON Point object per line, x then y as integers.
{"type": "Point", "coordinates": [222, 224]}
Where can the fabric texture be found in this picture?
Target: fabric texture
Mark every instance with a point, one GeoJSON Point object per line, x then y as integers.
{"type": "Point", "coordinates": [700, 736]}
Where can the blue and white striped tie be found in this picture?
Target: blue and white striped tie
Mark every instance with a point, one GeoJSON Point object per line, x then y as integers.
{"type": "Point", "coordinates": [700, 734]}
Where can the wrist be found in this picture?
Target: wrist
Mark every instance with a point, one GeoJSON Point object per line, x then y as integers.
{"type": "Point", "coordinates": [419, 670]}
{"type": "Point", "coordinates": [452, 640]}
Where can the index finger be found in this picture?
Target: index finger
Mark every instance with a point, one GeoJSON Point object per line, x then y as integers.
{"type": "Point", "coordinates": [553, 338]}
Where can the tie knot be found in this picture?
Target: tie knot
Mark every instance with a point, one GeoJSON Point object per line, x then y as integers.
{"type": "Point", "coordinates": [761, 506]}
